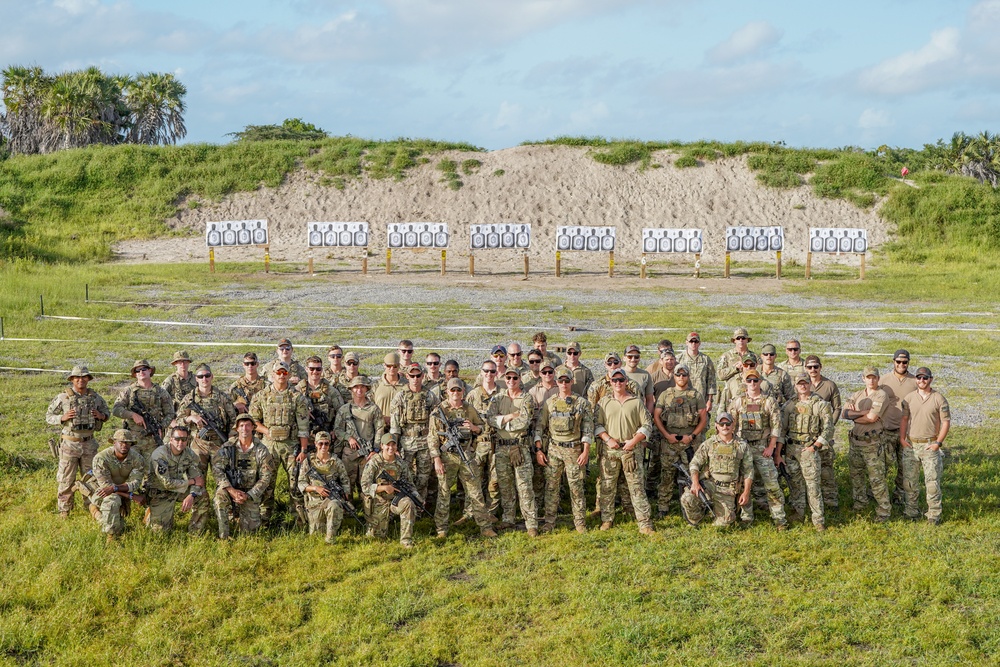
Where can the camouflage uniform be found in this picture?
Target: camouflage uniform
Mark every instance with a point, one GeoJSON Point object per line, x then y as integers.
{"type": "Point", "coordinates": [157, 402]}
{"type": "Point", "coordinates": [680, 411]}
{"type": "Point", "coordinates": [295, 369]}
{"type": "Point", "coordinates": [727, 464]}
{"type": "Point", "coordinates": [242, 391]}
{"type": "Point", "coordinates": [252, 472]}
{"type": "Point", "coordinates": [895, 388]}
{"type": "Point", "coordinates": [383, 505]}
{"type": "Point", "coordinates": [167, 485]}
{"type": "Point", "coordinates": [539, 394]}
{"type": "Point", "coordinates": [480, 400]}
{"type": "Point", "coordinates": [408, 415]}
{"type": "Point", "coordinates": [515, 479]}
{"type": "Point", "coordinates": [567, 424]}
{"type": "Point", "coordinates": [730, 365]}
{"type": "Point", "coordinates": [866, 460]}
{"type": "Point", "coordinates": [207, 442]}
{"type": "Point", "coordinates": [322, 510]}
{"type": "Point", "coordinates": [622, 421]}
{"type": "Point", "coordinates": [583, 377]}
{"type": "Point", "coordinates": [804, 423]}
{"type": "Point", "coordinates": [925, 417]}
{"type": "Point", "coordinates": [324, 402]}
{"type": "Point", "coordinates": [364, 424]}
{"type": "Point", "coordinates": [757, 420]}
{"type": "Point", "coordinates": [286, 416]}
{"type": "Point", "coordinates": [77, 445]}
{"type": "Point", "coordinates": [454, 468]}
{"type": "Point", "coordinates": [780, 382]}
{"type": "Point", "coordinates": [529, 380]}
{"type": "Point", "coordinates": [827, 390]}
{"type": "Point", "coordinates": [178, 388]}
{"type": "Point", "coordinates": [109, 470]}
{"type": "Point", "coordinates": [597, 391]}
{"type": "Point", "coordinates": [736, 387]}
{"type": "Point", "coordinates": [703, 377]}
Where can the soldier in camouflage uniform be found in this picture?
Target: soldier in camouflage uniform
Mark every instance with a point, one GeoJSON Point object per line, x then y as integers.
{"type": "Point", "coordinates": [736, 385]}
{"type": "Point", "coordinates": [173, 475]}
{"type": "Point", "coordinates": [409, 413]}
{"type": "Point", "coordinates": [540, 393]}
{"type": "Point", "coordinates": [511, 415]}
{"type": "Point", "coordinates": [152, 399]}
{"type": "Point", "coordinates": [480, 398]}
{"type": "Point", "coordinates": [359, 428]}
{"type": "Point", "coordinates": [242, 391]}
{"type": "Point", "coordinates": [324, 398]}
{"type": "Point", "coordinates": [661, 373]}
{"type": "Point", "coordinates": [566, 424]}
{"type": "Point", "coordinates": [352, 369]}
{"type": "Point", "coordinates": [731, 362]}
{"type": "Point", "coordinates": [623, 422]}
{"type": "Point", "coordinates": [179, 383]}
{"type": "Point", "coordinates": [320, 468]}
{"type": "Point", "coordinates": [758, 423]}
{"type": "Point", "coordinates": [451, 369]}
{"type": "Point", "coordinates": [119, 471]}
{"type": "Point", "coordinates": [583, 377]}
{"type": "Point", "coordinates": [243, 471]}
{"type": "Point", "coordinates": [282, 417]}
{"type": "Point", "coordinates": [209, 399]}
{"type": "Point", "coordinates": [597, 391]}
{"type": "Point", "coordinates": [807, 424]}
{"type": "Point", "coordinates": [865, 459]}
{"type": "Point", "coordinates": [541, 343]}
{"type": "Point", "coordinates": [433, 375]}
{"type": "Point", "coordinates": [337, 372]}
{"type": "Point", "coordinates": [703, 377]}
{"type": "Point", "coordinates": [336, 368]}
{"type": "Point", "coordinates": [448, 464]}
{"type": "Point", "coordinates": [782, 388]}
{"type": "Point", "coordinates": [726, 460]}
{"type": "Point", "coordinates": [80, 412]}
{"type": "Point", "coordinates": [638, 375]}
{"type": "Point", "coordinates": [681, 419]}
{"type": "Point", "coordinates": [384, 499]}
{"type": "Point", "coordinates": [386, 387]}
{"type": "Point", "coordinates": [793, 364]}
{"type": "Point", "coordinates": [826, 389]}
{"type": "Point", "coordinates": [531, 375]}
{"type": "Point", "coordinates": [284, 354]}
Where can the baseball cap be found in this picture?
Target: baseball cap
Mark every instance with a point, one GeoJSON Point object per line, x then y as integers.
{"type": "Point", "coordinates": [923, 370]}
{"type": "Point", "coordinates": [512, 371]}
{"type": "Point", "coordinates": [414, 370]}
{"type": "Point", "coordinates": [811, 358]}
{"type": "Point", "coordinates": [322, 436]}
{"type": "Point", "coordinates": [573, 346]}
{"type": "Point", "coordinates": [682, 367]}
{"type": "Point", "coordinates": [749, 357]}
{"type": "Point", "coordinates": [455, 383]}
{"type": "Point", "coordinates": [752, 373]}
{"type": "Point", "coordinates": [243, 416]}
{"type": "Point", "coordinates": [391, 359]}
{"type": "Point", "coordinates": [633, 348]}
{"type": "Point", "coordinates": [282, 365]}
{"type": "Point", "coordinates": [724, 416]}
{"type": "Point", "coordinates": [770, 349]}
{"type": "Point", "coordinates": [564, 372]}
{"type": "Point", "coordinates": [122, 435]}
{"type": "Point", "coordinates": [208, 369]}
{"type": "Point", "coordinates": [612, 355]}
{"type": "Point", "coordinates": [619, 371]}
{"type": "Point", "coordinates": [740, 331]}
{"type": "Point", "coordinates": [803, 377]}
{"type": "Point", "coordinates": [869, 371]}
{"type": "Point", "coordinates": [693, 337]}
{"type": "Point", "coordinates": [387, 438]}
{"type": "Point", "coordinates": [901, 354]}
{"type": "Point", "coordinates": [352, 356]}
{"type": "Point", "coordinates": [498, 349]}
{"type": "Point", "coordinates": [358, 381]}
{"type": "Point", "coordinates": [284, 341]}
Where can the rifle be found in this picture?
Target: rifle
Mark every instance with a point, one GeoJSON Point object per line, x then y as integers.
{"type": "Point", "coordinates": [153, 426]}
{"type": "Point", "coordinates": [453, 440]}
{"type": "Point", "coordinates": [211, 424]}
{"type": "Point", "coordinates": [242, 394]}
{"type": "Point", "coordinates": [783, 472]}
{"type": "Point", "coordinates": [403, 488]}
{"type": "Point", "coordinates": [684, 481]}
{"type": "Point", "coordinates": [336, 492]}
{"type": "Point", "coordinates": [87, 486]}
{"type": "Point", "coordinates": [232, 470]}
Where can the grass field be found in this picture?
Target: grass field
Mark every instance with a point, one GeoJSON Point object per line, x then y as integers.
{"type": "Point", "coordinates": [858, 594]}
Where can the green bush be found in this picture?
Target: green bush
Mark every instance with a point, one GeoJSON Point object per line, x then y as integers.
{"type": "Point", "coordinates": [685, 161]}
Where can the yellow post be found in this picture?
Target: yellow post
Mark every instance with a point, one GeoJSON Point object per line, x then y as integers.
{"type": "Point", "coordinates": [611, 264]}
{"type": "Point", "coordinates": [364, 263]}
{"type": "Point", "coordinates": [642, 266]}
{"type": "Point", "coordinates": [697, 265]}
{"type": "Point", "coordinates": [558, 263]}
{"type": "Point", "coordinates": [777, 264]}
{"type": "Point", "coordinates": [311, 272]}
{"type": "Point", "coordinates": [211, 260]}
{"type": "Point", "coordinates": [267, 259]}
{"type": "Point", "coordinates": [862, 276]}
{"type": "Point", "coordinates": [727, 266]}
{"type": "Point", "coordinates": [809, 265]}
{"type": "Point", "coordinates": [388, 261]}
{"type": "Point", "coordinates": [525, 265]}
{"type": "Point", "coordinates": [443, 253]}
{"type": "Point", "coordinates": [472, 264]}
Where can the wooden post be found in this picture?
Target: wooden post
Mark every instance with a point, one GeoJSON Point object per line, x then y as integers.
{"type": "Point", "coordinates": [642, 266]}
{"type": "Point", "coordinates": [777, 264]}
{"type": "Point", "coordinates": [862, 275]}
{"type": "Point", "coordinates": [86, 292]}
{"type": "Point", "coordinates": [443, 254]}
{"type": "Point", "coordinates": [211, 260]}
{"type": "Point", "coordinates": [611, 264]}
{"type": "Point", "coordinates": [809, 265]}
{"type": "Point", "coordinates": [472, 264]}
{"type": "Point", "coordinates": [558, 263]}
{"type": "Point", "coordinates": [697, 265]}
{"type": "Point", "coordinates": [267, 259]}
{"type": "Point", "coordinates": [388, 261]}
{"type": "Point", "coordinates": [726, 275]}
{"type": "Point", "coordinates": [364, 263]}
{"type": "Point", "coordinates": [525, 265]}
{"type": "Point", "coordinates": [311, 272]}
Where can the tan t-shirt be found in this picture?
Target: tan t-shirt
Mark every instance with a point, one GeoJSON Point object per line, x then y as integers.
{"type": "Point", "coordinates": [925, 414]}
{"type": "Point", "coordinates": [895, 389]}
{"type": "Point", "coordinates": [622, 420]}
{"type": "Point", "coordinates": [878, 401]}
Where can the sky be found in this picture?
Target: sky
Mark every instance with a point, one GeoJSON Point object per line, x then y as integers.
{"type": "Point", "coordinates": [497, 73]}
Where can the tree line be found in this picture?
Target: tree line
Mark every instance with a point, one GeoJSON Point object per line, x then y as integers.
{"type": "Point", "coordinates": [46, 112]}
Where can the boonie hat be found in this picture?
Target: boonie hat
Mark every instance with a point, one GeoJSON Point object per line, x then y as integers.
{"type": "Point", "coordinates": [143, 362]}
{"type": "Point", "coordinates": [80, 372]}
{"type": "Point", "coordinates": [182, 355]}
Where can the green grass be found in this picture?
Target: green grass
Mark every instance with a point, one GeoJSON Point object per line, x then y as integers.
{"type": "Point", "coordinates": [449, 173]}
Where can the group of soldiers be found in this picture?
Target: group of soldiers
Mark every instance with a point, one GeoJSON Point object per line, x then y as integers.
{"type": "Point", "coordinates": [401, 441]}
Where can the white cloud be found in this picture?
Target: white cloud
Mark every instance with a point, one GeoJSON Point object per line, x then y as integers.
{"type": "Point", "coordinates": [917, 70]}
{"type": "Point", "coordinates": [873, 119]}
{"type": "Point", "coordinates": [752, 40]}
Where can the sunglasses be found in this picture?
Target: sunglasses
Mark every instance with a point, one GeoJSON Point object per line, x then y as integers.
{"type": "Point", "coordinates": [278, 372]}
{"type": "Point", "coordinates": [695, 340]}
{"type": "Point", "coordinates": [902, 361]}
{"type": "Point", "coordinates": [618, 380]}
{"type": "Point", "coordinates": [725, 423]}
{"type": "Point", "coordinates": [753, 380]}
{"type": "Point", "coordinates": [516, 354]}
{"type": "Point", "coordinates": [352, 363]}
{"type": "Point", "coordinates": [681, 374]}
{"type": "Point", "coordinates": [791, 349]}
{"type": "Point", "coordinates": [512, 377]}
{"type": "Point", "coordinates": [249, 363]}
{"type": "Point", "coordinates": [203, 376]}
{"type": "Point", "coordinates": [489, 371]}
{"type": "Point", "coordinates": [433, 363]}
{"type": "Point", "coordinates": [613, 362]}
{"type": "Point", "coordinates": [572, 353]}
{"type": "Point", "coordinates": [409, 351]}
{"type": "Point", "coordinates": [334, 356]}
{"type": "Point", "coordinates": [141, 369]}
{"type": "Point", "coordinates": [749, 364]}
{"type": "Point", "coordinates": [767, 354]}
{"type": "Point", "coordinates": [923, 377]}
{"type": "Point", "coordinates": [742, 338]}
{"type": "Point", "coordinates": [315, 369]}
{"type": "Point", "coordinates": [284, 347]}
{"type": "Point", "coordinates": [563, 380]}
{"type": "Point", "coordinates": [548, 372]}
{"type": "Point", "coordinates": [499, 355]}
{"type": "Point", "coordinates": [632, 356]}
{"type": "Point", "coordinates": [813, 368]}
{"type": "Point", "coordinates": [455, 390]}
{"type": "Point", "coordinates": [391, 365]}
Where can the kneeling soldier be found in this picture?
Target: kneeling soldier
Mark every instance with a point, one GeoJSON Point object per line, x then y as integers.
{"type": "Point", "coordinates": [320, 470]}
{"type": "Point", "coordinates": [387, 498]}
{"type": "Point", "coordinates": [174, 475]}
{"type": "Point", "coordinates": [243, 471]}
{"type": "Point", "coordinates": [727, 459]}
{"type": "Point", "coordinates": [118, 472]}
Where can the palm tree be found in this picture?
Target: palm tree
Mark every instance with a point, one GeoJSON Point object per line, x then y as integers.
{"type": "Point", "coordinates": [156, 103]}
{"type": "Point", "coordinates": [24, 89]}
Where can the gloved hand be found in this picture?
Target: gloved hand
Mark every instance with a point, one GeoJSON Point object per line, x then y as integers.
{"type": "Point", "coordinates": [516, 459]}
{"type": "Point", "coordinates": [628, 462]}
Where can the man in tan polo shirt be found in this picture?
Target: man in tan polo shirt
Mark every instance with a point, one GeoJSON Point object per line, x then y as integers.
{"type": "Point", "coordinates": [896, 384]}
{"type": "Point", "coordinates": [922, 430]}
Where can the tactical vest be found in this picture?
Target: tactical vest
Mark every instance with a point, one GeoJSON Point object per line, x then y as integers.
{"type": "Point", "coordinates": [681, 412]}
{"type": "Point", "coordinates": [148, 398]}
{"type": "Point", "coordinates": [83, 404]}
{"type": "Point", "coordinates": [753, 423]}
{"type": "Point", "coordinates": [415, 412]}
{"type": "Point", "coordinates": [724, 462]}
{"type": "Point", "coordinates": [802, 423]}
{"type": "Point", "coordinates": [564, 418]}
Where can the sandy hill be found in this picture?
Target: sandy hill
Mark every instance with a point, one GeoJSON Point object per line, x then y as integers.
{"type": "Point", "coordinates": [546, 186]}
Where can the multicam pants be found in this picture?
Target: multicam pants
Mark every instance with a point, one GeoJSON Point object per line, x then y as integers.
{"type": "Point", "coordinates": [454, 469]}
{"type": "Point", "coordinates": [866, 462]}
{"type": "Point", "coordinates": [765, 483]}
{"type": "Point", "coordinates": [383, 510]}
{"type": "Point", "coordinates": [74, 458]}
{"type": "Point", "coordinates": [247, 514]}
{"type": "Point", "coordinates": [421, 467]}
{"type": "Point", "coordinates": [516, 484]}
{"type": "Point", "coordinates": [325, 515]}
{"type": "Point", "coordinates": [932, 461]}
{"type": "Point", "coordinates": [284, 453]}
{"type": "Point", "coordinates": [563, 459]}
{"type": "Point", "coordinates": [894, 461]}
{"type": "Point", "coordinates": [828, 477]}
{"type": "Point", "coordinates": [669, 454]}
{"type": "Point", "coordinates": [113, 509]}
{"type": "Point", "coordinates": [721, 496]}
{"type": "Point", "coordinates": [804, 468]}
{"type": "Point", "coordinates": [160, 518]}
{"type": "Point", "coordinates": [611, 470]}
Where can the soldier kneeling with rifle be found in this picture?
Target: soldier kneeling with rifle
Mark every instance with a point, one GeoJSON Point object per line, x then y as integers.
{"type": "Point", "coordinates": [386, 480]}
{"type": "Point", "coordinates": [114, 482]}
{"type": "Point", "coordinates": [727, 459]}
{"type": "Point", "coordinates": [243, 469]}
{"type": "Point", "coordinates": [326, 487]}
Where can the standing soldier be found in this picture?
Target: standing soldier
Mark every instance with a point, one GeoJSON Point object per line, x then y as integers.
{"type": "Point", "coordinates": [779, 379]}
{"type": "Point", "coordinates": [352, 369]}
{"type": "Point", "coordinates": [242, 391]}
{"type": "Point", "coordinates": [566, 422]}
{"type": "Point", "coordinates": [213, 413]}
{"type": "Point", "coordinates": [663, 373]}
{"type": "Point", "coordinates": [440, 392]}
{"type": "Point", "coordinates": [516, 356]}
{"type": "Point", "coordinates": [702, 369]}
{"type": "Point", "coordinates": [385, 499]}
{"type": "Point", "coordinates": [142, 397]}
{"type": "Point", "coordinates": [173, 475]}
{"type": "Point", "coordinates": [793, 365]}
{"type": "Point", "coordinates": [623, 422]}
{"type": "Point", "coordinates": [826, 389]}
{"type": "Point", "coordinates": [336, 372]}
{"type": "Point", "coordinates": [448, 464]}
{"type": "Point", "coordinates": [639, 376]}
{"type": "Point", "coordinates": [409, 415]}
{"type": "Point", "coordinates": [597, 391]}
{"type": "Point", "coordinates": [324, 398]}
{"type": "Point", "coordinates": [807, 424]}
{"type": "Point", "coordinates": [731, 361]}
{"type": "Point", "coordinates": [681, 419]}
{"type": "Point", "coordinates": [405, 350]}
{"type": "Point", "coordinates": [865, 459]}
{"type": "Point", "coordinates": [922, 430]}
{"type": "Point", "coordinates": [736, 385]}
{"type": "Point", "coordinates": [119, 471]}
{"type": "Point", "coordinates": [319, 469]}
{"type": "Point", "coordinates": [433, 376]}
{"type": "Point", "coordinates": [511, 414]}
{"type": "Point", "coordinates": [728, 460]}
{"type": "Point", "coordinates": [243, 471]}
{"type": "Point", "coordinates": [282, 417]}
{"type": "Point", "coordinates": [180, 382]}
{"type": "Point", "coordinates": [359, 427]}
{"type": "Point", "coordinates": [385, 388]}
{"type": "Point", "coordinates": [661, 347]}
{"type": "Point", "coordinates": [531, 375]}
{"type": "Point", "coordinates": [79, 411]}
{"type": "Point", "coordinates": [583, 377]}
{"type": "Point", "coordinates": [480, 398]}
{"type": "Point", "coordinates": [540, 393]}
{"type": "Point", "coordinates": [541, 342]}
{"type": "Point", "coordinates": [758, 423]}
{"type": "Point", "coordinates": [284, 354]}
{"type": "Point", "coordinates": [896, 384]}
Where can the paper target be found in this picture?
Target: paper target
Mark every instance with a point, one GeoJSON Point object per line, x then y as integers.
{"type": "Point", "coordinates": [236, 233]}
{"type": "Point", "coordinates": [753, 239]}
{"type": "Point", "coordinates": [416, 235]}
{"type": "Point", "coordinates": [838, 240]}
{"type": "Point", "coordinates": [337, 234]}
{"type": "Point", "coordinates": [671, 240]}
{"type": "Point", "coordinates": [593, 239]}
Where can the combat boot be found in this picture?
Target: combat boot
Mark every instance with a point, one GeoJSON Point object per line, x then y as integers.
{"type": "Point", "coordinates": [580, 528]}
{"type": "Point", "coordinates": [488, 532]}
{"type": "Point", "coordinates": [606, 525]}
{"type": "Point", "coordinates": [94, 512]}
{"type": "Point", "coordinates": [532, 532]}
{"type": "Point", "coordinates": [647, 530]}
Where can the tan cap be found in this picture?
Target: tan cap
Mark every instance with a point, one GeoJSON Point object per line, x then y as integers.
{"type": "Point", "coordinates": [358, 381]}
{"type": "Point", "coordinates": [322, 436]}
{"type": "Point", "coordinates": [803, 377]}
{"type": "Point", "coordinates": [752, 373]}
{"type": "Point", "coordinates": [80, 372]}
{"type": "Point", "coordinates": [573, 346]}
{"type": "Point", "coordinates": [352, 356]}
{"type": "Point", "coordinates": [391, 359]}
{"type": "Point", "coordinates": [282, 366]}
{"type": "Point", "coordinates": [455, 383]}
{"type": "Point", "coordinates": [387, 438]}
{"type": "Point", "coordinates": [122, 435]}
{"type": "Point", "coordinates": [140, 363]}
{"type": "Point", "coordinates": [284, 341]}
{"type": "Point", "coordinates": [547, 363]}
{"type": "Point", "coordinates": [740, 331]}
{"type": "Point", "coordinates": [181, 355]}
{"type": "Point", "coordinates": [203, 367]}
{"type": "Point", "coordinates": [869, 371]}
{"type": "Point", "coordinates": [564, 372]}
